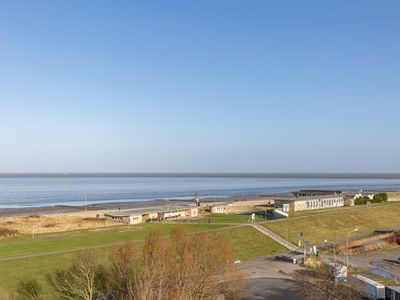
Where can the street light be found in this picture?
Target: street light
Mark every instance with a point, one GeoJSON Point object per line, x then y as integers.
{"type": "Point", "coordinates": [334, 249]}
{"type": "Point", "coordinates": [347, 247]}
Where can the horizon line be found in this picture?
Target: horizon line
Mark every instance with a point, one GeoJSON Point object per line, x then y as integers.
{"type": "Point", "coordinates": [328, 175]}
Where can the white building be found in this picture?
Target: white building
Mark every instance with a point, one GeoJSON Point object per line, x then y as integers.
{"type": "Point", "coordinates": [219, 208]}
{"type": "Point", "coordinates": [307, 200]}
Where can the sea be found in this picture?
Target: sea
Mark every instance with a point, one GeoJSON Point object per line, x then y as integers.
{"type": "Point", "coordinates": [24, 191]}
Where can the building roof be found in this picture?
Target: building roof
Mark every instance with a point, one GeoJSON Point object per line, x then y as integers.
{"type": "Point", "coordinates": [319, 191]}
{"type": "Point", "coordinates": [394, 288]}
{"type": "Point", "coordinates": [293, 198]}
{"type": "Point", "coordinates": [149, 210]}
{"type": "Point", "coordinates": [368, 280]}
{"type": "Point", "coordinates": [219, 204]}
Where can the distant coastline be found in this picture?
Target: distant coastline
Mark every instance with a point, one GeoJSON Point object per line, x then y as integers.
{"type": "Point", "coordinates": [78, 189]}
{"type": "Point", "coordinates": [310, 175]}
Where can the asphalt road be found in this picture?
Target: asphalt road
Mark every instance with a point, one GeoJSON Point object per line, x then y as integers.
{"type": "Point", "coordinates": [269, 278]}
{"type": "Point", "coordinates": [272, 288]}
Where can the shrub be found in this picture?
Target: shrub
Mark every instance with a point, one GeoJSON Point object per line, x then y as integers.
{"type": "Point", "coordinates": [361, 200]}
{"type": "Point", "coordinates": [29, 290]}
{"type": "Point", "coordinates": [6, 232]}
{"type": "Point", "coordinates": [381, 197]}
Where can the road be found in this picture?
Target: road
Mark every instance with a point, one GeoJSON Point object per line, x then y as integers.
{"type": "Point", "coordinates": [373, 262]}
{"type": "Point", "coordinates": [272, 288]}
{"type": "Point", "coordinates": [269, 278]}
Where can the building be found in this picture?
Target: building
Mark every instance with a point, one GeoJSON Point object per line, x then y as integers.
{"type": "Point", "coordinates": [219, 208]}
{"type": "Point", "coordinates": [392, 292]}
{"type": "Point", "coordinates": [372, 288]}
{"type": "Point", "coordinates": [309, 199]}
{"type": "Point", "coordinates": [154, 214]}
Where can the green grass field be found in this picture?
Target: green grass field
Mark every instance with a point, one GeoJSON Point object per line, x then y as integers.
{"type": "Point", "coordinates": [64, 241]}
{"type": "Point", "coordinates": [334, 224]}
{"type": "Point", "coordinates": [247, 243]}
{"type": "Point", "coordinates": [40, 257]}
{"type": "Point", "coordinates": [223, 218]}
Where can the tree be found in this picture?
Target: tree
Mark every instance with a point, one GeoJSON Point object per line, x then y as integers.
{"type": "Point", "coordinates": [185, 266]}
{"type": "Point", "coordinates": [120, 272]}
{"type": "Point", "coordinates": [84, 280]}
{"type": "Point", "coordinates": [361, 200]}
{"type": "Point", "coordinates": [381, 197]}
{"type": "Point", "coordinates": [29, 290]}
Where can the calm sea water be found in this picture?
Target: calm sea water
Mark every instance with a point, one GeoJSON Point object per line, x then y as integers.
{"type": "Point", "coordinates": [46, 191]}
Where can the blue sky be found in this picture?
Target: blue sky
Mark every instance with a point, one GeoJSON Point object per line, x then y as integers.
{"type": "Point", "coordinates": [199, 86]}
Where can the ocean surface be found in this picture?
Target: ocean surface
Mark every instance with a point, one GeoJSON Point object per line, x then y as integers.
{"type": "Point", "coordinates": [39, 191]}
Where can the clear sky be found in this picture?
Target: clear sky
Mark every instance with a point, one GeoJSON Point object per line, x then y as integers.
{"type": "Point", "coordinates": [199, 86]}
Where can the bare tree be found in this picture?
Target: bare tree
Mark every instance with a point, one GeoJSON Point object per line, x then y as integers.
{"type": "Point", "coordinates": [186, 266]}
{"type": "Point", "coordinates": [83, 280]}
{"type": "Point", "coordinates": [120, 273]}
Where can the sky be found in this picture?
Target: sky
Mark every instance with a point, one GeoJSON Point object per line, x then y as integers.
{"type": "Point", "coordinates": [199, 86]}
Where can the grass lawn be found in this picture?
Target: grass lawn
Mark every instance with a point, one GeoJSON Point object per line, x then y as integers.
{"type": "Point", "coordinates": [334, 224]}
{"type": "Point", "coordinates": [246, 243]}
{"type": "Point", "coordinates": [223, 218]}
{"type": "Point", "coordinates": [64, 241]}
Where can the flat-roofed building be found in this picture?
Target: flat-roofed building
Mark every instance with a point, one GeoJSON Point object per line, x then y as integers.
{"type": "Point", "coordinates": [154, 214]}
{"type": "Point", "coordinates": [219, 208]}
{"type": "Point", "coordinates": [307, 200]}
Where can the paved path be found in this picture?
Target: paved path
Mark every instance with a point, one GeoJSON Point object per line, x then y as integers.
{"type": "Point", "coordinates": [276, 237]}
{"type": "Point", "coordinates": [269, 278]}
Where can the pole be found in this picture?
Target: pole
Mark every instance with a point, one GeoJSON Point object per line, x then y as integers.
{"type": "Point", "coordinates": [334, 252]}
{"type": "Point", "coordinates": [347, 252]}
{"type": "Point", "coordinates": [86, 204]}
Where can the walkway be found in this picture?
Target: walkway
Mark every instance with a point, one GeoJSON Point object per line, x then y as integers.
{"type": "Point", "coordinates": [276, 237]}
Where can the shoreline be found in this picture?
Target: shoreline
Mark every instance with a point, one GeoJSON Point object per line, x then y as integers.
{"type": "Point", "coordinates": [111, 206]}
{"type": "Point", "coordinates": [92, 209]}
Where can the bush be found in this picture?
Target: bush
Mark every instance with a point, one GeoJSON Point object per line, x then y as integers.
{"type": "Point", "coordinates": [381, 197]}
{"type": "Point", "coordinates": [6, 232]}
{"type": "Point", "coordinates": [361, 200]}
{"type": "Point", "coordinates": [29, 290]}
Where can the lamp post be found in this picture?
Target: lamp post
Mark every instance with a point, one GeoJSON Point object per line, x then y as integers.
{"type": "Point", "coordinates": [334, 249]}
{"type": "Point", "coordinates": [347, 247]}
{"type": "Point", "coordinates": [86, 196]}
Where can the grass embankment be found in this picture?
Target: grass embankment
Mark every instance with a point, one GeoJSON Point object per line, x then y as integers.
{"type": "Point", "coordinates": [334, 224]}
{"type": "Point", "coordinates": [223, 218]}
{"type": "Point", "coordinates": [65, 241]}
{"type": "Point", "coordinates": [37, 258]}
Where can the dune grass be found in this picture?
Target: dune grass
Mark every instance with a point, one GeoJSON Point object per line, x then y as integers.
{"type": "Point", "coordinates": [336, 223]}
